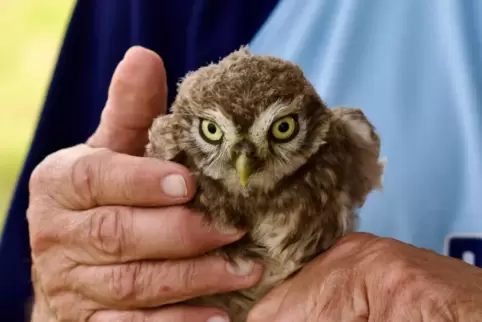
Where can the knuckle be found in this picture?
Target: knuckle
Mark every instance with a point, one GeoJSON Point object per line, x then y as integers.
{"type": "Point", "coordinates": [44, 174]}
{"type": "Point", "coordinates": [83, 174]}
{"type": "Point", "coordinates": [42, 233]}
{"type": "Point", "coordinates": [398, 274]}
{"type": "Point", "coordinates": [184, 228]}
{"type": "Point", "coordinates": [37, 178]}
{"type": "Point", "coordinates": [403, 280]}
{"type": "Point", "coordinates": [67, 307]}
{"type": "Point", "coordinates": [335, 279]}
{"type": "Point", "coordinates": [401, 277]}
{"type": "Point", "coordinates": [180, 276]}
{"type": "Point", "coordinates": [67, 172]}
{"type": "Point", "coordinates": [50, 168]}
{"type": "Point", "coordinates": [125, 282]}
{"type": "Point", "coordinates": [435, 308]}
{"type": "Point", "coordinates": [406, 283]}
{"type": "Point", "coordinates": [108, 230]}
{"type": "Point", "coordinates": [40, 241]}
{"type": "Point", "coordinates": [52, 273]}
{"type": "Point", "coordinates": [187, 275]}
{"type": "Point", "coordinates": [135, 177]}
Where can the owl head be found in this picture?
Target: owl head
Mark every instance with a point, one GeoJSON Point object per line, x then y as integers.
{"type": "Point", "coordinates": [249, 120]}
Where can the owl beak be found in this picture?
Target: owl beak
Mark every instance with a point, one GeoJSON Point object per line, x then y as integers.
{"type": "Point", "coordinates": [243, 168]}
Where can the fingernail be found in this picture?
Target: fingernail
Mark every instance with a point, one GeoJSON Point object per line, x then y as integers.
{"type": "Point", "coordinates": [241, 268]}
{"type": "Point", "coordinates": [218, 318]}
{"type": "Point", "coordinates": [174, 185]}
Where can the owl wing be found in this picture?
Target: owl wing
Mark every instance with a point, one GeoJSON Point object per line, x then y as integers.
{"type": "Point", "coordinates": [163, 138]}
{"type": "Point", "coordinates": [363, 143]}
{"type": "Point", "coordinates": [358, 128]}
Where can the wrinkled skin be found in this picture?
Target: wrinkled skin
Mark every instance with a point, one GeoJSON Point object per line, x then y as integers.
{"type": "Point", "coordinates": [367, 278]}
{"type": "Point", "coordinates": [108, 243]}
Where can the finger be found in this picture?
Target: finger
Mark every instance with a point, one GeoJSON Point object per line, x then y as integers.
{"type": "Point", "coordinates": [137, 94]}
{"type": "Point", "coordinates": [150, 284]}
{"type": "Point", "coordinates": [112, 235]}
{"type": "Point", "coordinates": [81, 178]}
{"type": "Point", "coordinates": [168, 314]}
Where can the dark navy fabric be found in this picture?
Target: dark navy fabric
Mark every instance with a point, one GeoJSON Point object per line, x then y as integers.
{"type": "Point", "coordinates": [186, 33]}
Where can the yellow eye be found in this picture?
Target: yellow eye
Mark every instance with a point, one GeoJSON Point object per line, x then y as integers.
{"type": "Point", "coordinates": [284, 129]}
{"type": "Point", "coordinates": [210, 131]}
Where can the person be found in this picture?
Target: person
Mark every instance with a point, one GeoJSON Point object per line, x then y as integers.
{"type": "Point", "coordinates": [95, 245]}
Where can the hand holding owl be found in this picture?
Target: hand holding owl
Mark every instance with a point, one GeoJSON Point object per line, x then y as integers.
{"type": "Point", "coordinates": [367, 278]}
{"type": "Point", "coordinates": [110, 238]}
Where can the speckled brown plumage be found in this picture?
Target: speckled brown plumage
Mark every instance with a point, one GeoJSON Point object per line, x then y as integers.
{"type": "Point", "coordinates": [302, 195]}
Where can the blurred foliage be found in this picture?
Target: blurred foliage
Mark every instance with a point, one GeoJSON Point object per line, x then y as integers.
{"type": "Point", "coordinates": [31, 33]}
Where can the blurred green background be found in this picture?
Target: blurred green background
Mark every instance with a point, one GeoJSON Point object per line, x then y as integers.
{"type": "Point", "coordinates": [31, 33]}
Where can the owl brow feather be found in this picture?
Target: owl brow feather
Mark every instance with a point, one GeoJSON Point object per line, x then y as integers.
{"type": "Point", "coordinates": [183, 114]}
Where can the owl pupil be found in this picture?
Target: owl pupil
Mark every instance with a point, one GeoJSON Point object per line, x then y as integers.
{"type": "Point", "coordinates": [212, 128]}
{"type": "Point", "coordinates": [283, 127]}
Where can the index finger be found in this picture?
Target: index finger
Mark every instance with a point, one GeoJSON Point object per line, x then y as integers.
{"type": "Point", "coordinates": [81, 178]}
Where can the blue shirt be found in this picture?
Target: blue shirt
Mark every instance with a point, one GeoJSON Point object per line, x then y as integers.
{"type": "Point", "coordinates": [415, 68]}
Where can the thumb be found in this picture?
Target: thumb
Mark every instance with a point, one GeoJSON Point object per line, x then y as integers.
{"type": "Point", "coordinates": [137, 94]}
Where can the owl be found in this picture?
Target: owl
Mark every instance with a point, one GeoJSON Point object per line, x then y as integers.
{"type": "Point", "coordinates": [269, 158]}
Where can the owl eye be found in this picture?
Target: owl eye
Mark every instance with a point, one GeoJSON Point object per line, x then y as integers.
{"type": "Point", "coordinates": [284, 129]}
{"type": "Point", "coordinates": [210, 131]}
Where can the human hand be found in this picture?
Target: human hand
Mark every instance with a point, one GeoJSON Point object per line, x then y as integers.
{"type": "Point", "coordinates": [110, 238]}
{"type": "Point", "coordinates": [367, 278]}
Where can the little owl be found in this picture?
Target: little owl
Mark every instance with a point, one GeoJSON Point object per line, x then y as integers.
{"type": "Point", "coordinates": [271, 159]}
